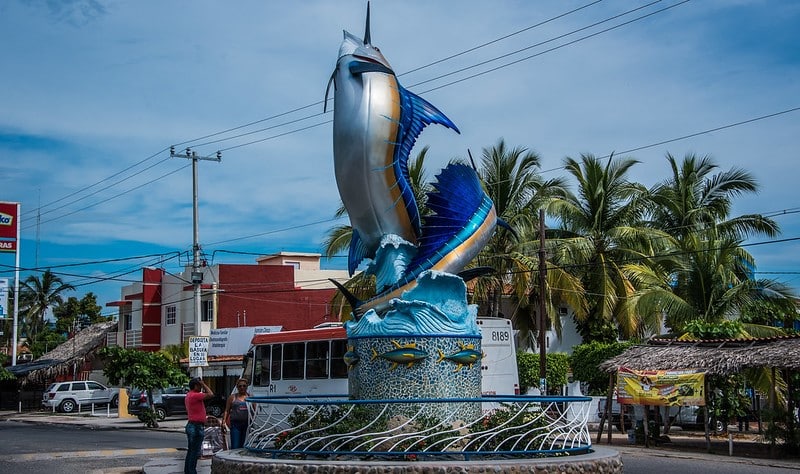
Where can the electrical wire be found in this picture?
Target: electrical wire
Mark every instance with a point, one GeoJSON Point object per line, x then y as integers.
{"type": "Point", "coordinates": [215, 134]}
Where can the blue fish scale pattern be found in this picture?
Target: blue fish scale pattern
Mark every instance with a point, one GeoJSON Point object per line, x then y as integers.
{"type": "Point", "coordinates": [375, 378]}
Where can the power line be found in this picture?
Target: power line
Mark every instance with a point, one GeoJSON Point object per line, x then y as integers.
{"type": "Point", "coordinates": [240, 127]}
{"type": "Point", "coordinates": [112, 197]}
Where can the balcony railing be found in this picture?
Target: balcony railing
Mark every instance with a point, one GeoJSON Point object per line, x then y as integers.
{"type": "Point", "coordinates": [133, 338]}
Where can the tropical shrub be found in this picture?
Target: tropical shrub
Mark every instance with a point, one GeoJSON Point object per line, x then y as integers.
{"type": "Point", "coordinates": [586, 358]}
{"type": "Point", "coordinates": [555, 372]}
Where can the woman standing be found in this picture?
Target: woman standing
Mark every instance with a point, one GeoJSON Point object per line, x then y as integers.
{"type": "Point", "coordinates": [236, 414]}
{"type": "Point", "coordinates": [195, 427]}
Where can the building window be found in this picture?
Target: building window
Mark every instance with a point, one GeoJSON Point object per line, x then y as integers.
{"type": "Point", "coordinates": [171, 315]}
{"type": "Point", "coordinates": [291, 263]}
{"type": "Point", "coordinates": [207, 311]}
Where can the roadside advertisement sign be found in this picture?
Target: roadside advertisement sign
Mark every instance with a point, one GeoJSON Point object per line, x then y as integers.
{"type": "Point", "coordinates": [8, 220]}
{"type": "Point", "coordinates": [198, 351]}
{"type": "Point", "coordinates": [685, 387]}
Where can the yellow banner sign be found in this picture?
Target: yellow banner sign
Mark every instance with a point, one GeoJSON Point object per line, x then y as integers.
{"type": "Point", "coordinates": [661, 387]}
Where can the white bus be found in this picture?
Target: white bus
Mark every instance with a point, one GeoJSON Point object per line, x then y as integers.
{"type": "Point", "coordinates": [311, 361]}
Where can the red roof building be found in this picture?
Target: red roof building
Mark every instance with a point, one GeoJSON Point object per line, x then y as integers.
{"type": "Point", "coordinates": [287, 289]}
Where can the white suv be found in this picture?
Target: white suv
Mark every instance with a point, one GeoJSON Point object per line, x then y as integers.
{"type": "Point", "coordinates": [68, 396]}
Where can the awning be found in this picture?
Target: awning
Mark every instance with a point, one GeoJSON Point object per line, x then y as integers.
{"type": "Point", "coordinates": [119, 303]}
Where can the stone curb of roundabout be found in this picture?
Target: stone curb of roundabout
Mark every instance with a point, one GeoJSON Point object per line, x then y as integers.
{"type": "Point", "coordinates": [601, 460]}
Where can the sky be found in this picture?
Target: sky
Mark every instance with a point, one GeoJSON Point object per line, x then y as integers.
{"type": "Point", "coordinates": [94, 92]}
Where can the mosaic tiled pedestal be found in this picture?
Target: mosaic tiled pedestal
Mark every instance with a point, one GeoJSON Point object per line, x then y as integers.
{"type": "Point", "coordinates": [404, 367]}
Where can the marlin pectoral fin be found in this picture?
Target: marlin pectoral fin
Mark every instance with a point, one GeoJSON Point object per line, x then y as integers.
{"type": "Point", "coordinates": [328, 89]}
{"type": "Point", "coordinates": [350, 297]}
{"type": "Point", "coordinates": [507, 227]}
{"type": "Point", "coordinates": [472, 273]}
{"type": "Point", "coordinates": [357, 253]}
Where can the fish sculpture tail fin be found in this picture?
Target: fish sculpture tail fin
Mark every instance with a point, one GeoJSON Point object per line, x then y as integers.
{"type": "Point", "coordinates": [441, 356]}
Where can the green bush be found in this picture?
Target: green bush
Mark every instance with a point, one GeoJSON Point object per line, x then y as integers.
{"type": "Point", "coordinates": [556, 370]}
{"type": "Point", "coordinates": [585, 359]}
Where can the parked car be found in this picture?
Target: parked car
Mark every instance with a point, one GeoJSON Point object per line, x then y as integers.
{"type": "Point", "coordinates": [68, 396]}
{"type": "Point", "coordinates": [687, 417]}
{"type": "Point", "coordinates": [616, 419]}
{"type": "Point", "coordinates": [169, 402]}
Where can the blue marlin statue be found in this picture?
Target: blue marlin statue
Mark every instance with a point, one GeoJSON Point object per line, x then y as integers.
{"type": "Point", "coordinates": [463, 220]}
{"type": "Point", "coordinates": [375, 125]}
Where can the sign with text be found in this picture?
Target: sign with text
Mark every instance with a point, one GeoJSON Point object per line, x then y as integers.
{"type": "Point", "coordinates": [235, 341]}
{"type": "Point", "coordinates": [3, 297]}
{"type": "Point", "coordinates": [8, 220]}
{"type": "Point", "coordinates": [198, 351]}
{"type": "Point", "coordinates": [683, 387]}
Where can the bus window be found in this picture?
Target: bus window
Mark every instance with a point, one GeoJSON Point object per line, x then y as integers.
{"type": "Point", "coordinates": [317, 360]}
{"type": "Point", "coordinates": [338, 367]}
{"type": "Point", "coordinates": [294, 358]}
{"type": "Point", "coordinates": [262, 376]}
{"type": "Point", "coordinates": [247, 366]}
{"type": "Point", "coordinates": [277, 357]}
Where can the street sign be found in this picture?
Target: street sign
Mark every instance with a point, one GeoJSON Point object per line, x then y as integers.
{"type": "Point", "coordinates": [198, 351]}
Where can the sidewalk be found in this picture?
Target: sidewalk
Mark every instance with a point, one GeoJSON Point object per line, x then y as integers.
{"type": "Point", "coordinates": [747, 447]}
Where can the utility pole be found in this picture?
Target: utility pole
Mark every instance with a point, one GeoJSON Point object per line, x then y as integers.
{"type": "Point", "coordinates": [542, 308]}
{"type": "Point", "coordinates": [197, 275]}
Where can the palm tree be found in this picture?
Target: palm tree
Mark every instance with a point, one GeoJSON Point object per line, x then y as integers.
{"type": "Point", "coordinates": [512, 180]}
{"type": "Point", "coordinates": [715, 278]}
{"type": "Point", "coordinates": [713, 284]}
{"type": "Point", "coordinates": [38, 295]}
{"type": "Point", "coordinates": [693, 199]}
{"type": "Point", "coordinates": [714, 281]}
{"type": "Point", "coordinates": [603, 240]}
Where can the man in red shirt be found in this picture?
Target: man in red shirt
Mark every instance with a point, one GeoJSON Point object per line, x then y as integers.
{"type": "Point", "coordinates": [195, 428]}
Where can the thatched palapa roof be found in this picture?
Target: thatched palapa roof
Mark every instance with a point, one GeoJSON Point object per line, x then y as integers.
{"type": "Point", "coordinates": [63, 358]}
{"type": "Point", "coordinates": [717, 357]}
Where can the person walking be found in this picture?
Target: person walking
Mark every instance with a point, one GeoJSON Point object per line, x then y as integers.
{"type": "Point", "coordinates": [236, 414]}
{"type": "Point", "coordinates": [199, 392]}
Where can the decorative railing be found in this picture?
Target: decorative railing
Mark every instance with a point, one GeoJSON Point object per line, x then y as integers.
{"type": "Point", "coordinates": [333, 426]}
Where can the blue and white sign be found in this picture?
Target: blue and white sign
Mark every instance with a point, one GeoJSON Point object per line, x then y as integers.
{"type": "Point", "coordinates": [3, 298]}
{"type": "Point", "coordinates": [235, 341]}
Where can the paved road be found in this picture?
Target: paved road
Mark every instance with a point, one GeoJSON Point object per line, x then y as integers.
{"type": "Point", "coordinates": [40, 442]}
{"type": "Point", "coordinates": [32, 448]}
{"type": "Point", "coordinates": [638, 461]}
